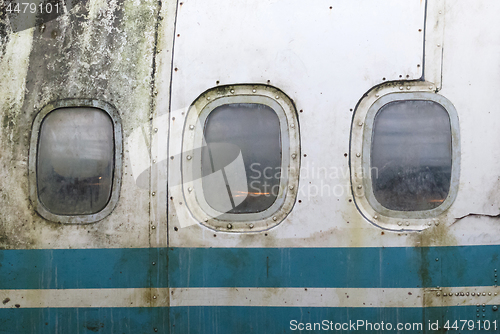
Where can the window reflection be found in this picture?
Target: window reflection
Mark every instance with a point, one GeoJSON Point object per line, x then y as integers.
{"type": "Point", "coordinates": [75, 161]}
{"type": "Point", "coordinates": [241, 163]}
{"type": "Point", "coordinates": [411, 155]}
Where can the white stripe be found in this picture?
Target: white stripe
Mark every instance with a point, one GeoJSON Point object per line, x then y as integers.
{"type": "Point", "coordinates": [82, 298]}
{"type": "Point", "coordinates": [295, 297]}
{"type": "Point", "coordinates": [271, 297]}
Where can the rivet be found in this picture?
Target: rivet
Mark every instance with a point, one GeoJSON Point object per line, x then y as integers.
{"type": "Point", "coordinates": [154, 161]}
{"type": "Point", "coordinates": [445, 294]}
{"type": "Point", "coordinates": [251, 225]}
{"type": "Point", "coordinates": [473, 293]}
{"type": "Point", "coordinates": [156, 129]}
{"type": "Point", "coordinates": [294, 156]}
{"type": "Point", "coordinates": [484, 293]}
{"type": "Point", "coordinates": [154, 297]}
{"type": "Point", "coordinates": [495, 270]}
{"type": "Point", "coordinates": [489, 294]}
{"type": "Point", "coordinates": [292, 125]}
{"type": "Point", "coordinates": [229, 226]}
{"type": "Point", "coordinates": [277, 97]}
{"type": "Point", "coordinates": [360, 186]}
{"type": "Point", "coordinates": [153, 193]}
{"type": "Point", "coordinates": [275, 218]}
{"type": "Point", "coordinates": [253, 90]}
{"type": "Point", "coordinates": [437, 259]}
{"type": "Point", "coordinates": [431, 87]}
{"type": "Point", "coordinates": [208, 97]}
{"type": "Point", "coordinates": [439, 45]}
{"type": "Point", "coordinates": [467, 294]}
{"type": "Point", "coordinates": [375, 217]}
{"type": "Point", "coordinates": [377, 95]}
{"type": "Point", "coordinates": [290, 187]}
{"type": "Point", "coordinates": [358, 154]}
{"type": "Point", "coordinates": [407, 223]}
{"type": "Point", "coordinates": [436, 223]}
{"type": "Point", "coordinates": [495, 308]}
{"type": "Point", "coordinates": [462, 294]}
{"type": "Point", "coordinates": [400, 223]}
{"type": "Point", "coordinates": [189, 157]}
{"type": "Point", "coordinates": [484, 305]}
{"type": "Point", "coordinates": [232, 91]}
{"type": "Point", "coordinates": [156, 329]}
{"type": "Point", "coordinates": [438, 294]}
{"type": "Point", "coordinates": [153, 227]}
{"type": "Point", "coordinates": [401, 88]}
{"type": "Point", "coordinates": [153, 263]}
{"type": "Point", "coordinates": [190, 189]}
{"type": "Point", "coordinates": [440, 12]}
{"type": "Point", "coordinates": [191, 127]}
{"type": "Point", "coordinates": [429, 223]}
{"type": "Point", "coordinates": [456, 293]}
{"type": "Point", "coordinates": [408, 87]}
{"type": "Point", "coordinates": [477, 305]}
{"type": "Point", "coordinates": [360, 123]}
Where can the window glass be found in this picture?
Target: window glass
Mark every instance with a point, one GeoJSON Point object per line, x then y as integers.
{"type": "Point", "coordinates": [75, 161]}
{"type": "Point", "coordinates": [241, 162]}
{"type": "Point", "coordinates": [411, 155]}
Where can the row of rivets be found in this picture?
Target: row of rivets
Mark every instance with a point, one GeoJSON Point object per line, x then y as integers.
{"type": "Point", "coordinates": [466, 293]}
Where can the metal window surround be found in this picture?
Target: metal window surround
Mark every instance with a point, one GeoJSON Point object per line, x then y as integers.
{"type": "Point", "coordinates": [191, 160]}
{"type": "Point", "coordinates": [361, 141]}
{"type": "Point", "coordinates": [117, 172]}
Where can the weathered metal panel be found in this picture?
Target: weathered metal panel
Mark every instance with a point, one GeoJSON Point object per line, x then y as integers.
{"type": "Point", "coordinates": [325, 260]}
{"type": "Point", "coordinates": [101, 50]}
{"type": "Point", "coordinates": [315, 53]}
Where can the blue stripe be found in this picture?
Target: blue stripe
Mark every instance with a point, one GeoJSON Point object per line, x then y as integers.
{"type": "Point", "coordinates": [235, 320]}
{"type": "Point", "coordinates": [80, 320]}
{"type": "Point", "coordinates": [249, 267]}
{"type": "Point", "coordinates": [74, 268]}
{"type": "Point", "coordinates": [334, 267]}
{"type": "Point", "coordinates": [258, 320]}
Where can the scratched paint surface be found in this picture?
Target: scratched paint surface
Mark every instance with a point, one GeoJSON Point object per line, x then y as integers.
{"type": "Point", "coordinates": [106, 50]}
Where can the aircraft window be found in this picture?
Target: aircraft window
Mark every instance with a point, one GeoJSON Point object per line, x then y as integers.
{"type": "Point", "coordinates": [75, 161]}
{"type": "Point", "coordinates": [411, 155]}
{"type": "Point", "coordinates": [240, 158]}
{"type": "Point", "coordinates": [250, 132]}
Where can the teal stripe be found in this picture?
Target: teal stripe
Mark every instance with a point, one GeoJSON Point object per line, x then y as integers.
{"type": "Point", "coordinates": [235, 320]}
{"type": "Point", "coordinates": [228, 320]}
{"type": "Point", "coordinates": [334, 267]}
{"type": "Point", "coordinates": [80, 320]}
{"type": "Point", "coordinates": [74, 268]}
{"type": "Point", "coordinates": [250, 267]}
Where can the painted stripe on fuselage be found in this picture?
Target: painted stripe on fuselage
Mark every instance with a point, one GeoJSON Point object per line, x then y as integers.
{"type": "Point", "coordinates": [241, 320]}
{"type": "Point", "coordinates": [250, 267]}
{"type": "Point", "coordinates": [265, 297]}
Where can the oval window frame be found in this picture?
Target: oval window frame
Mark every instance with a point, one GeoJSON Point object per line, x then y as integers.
{"type": "Point", "coordinates": [290, 157]}
{"type": "Point", "coordinates": [117, 170]}
{"type": "Point", "coordinates": [360, 157]}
